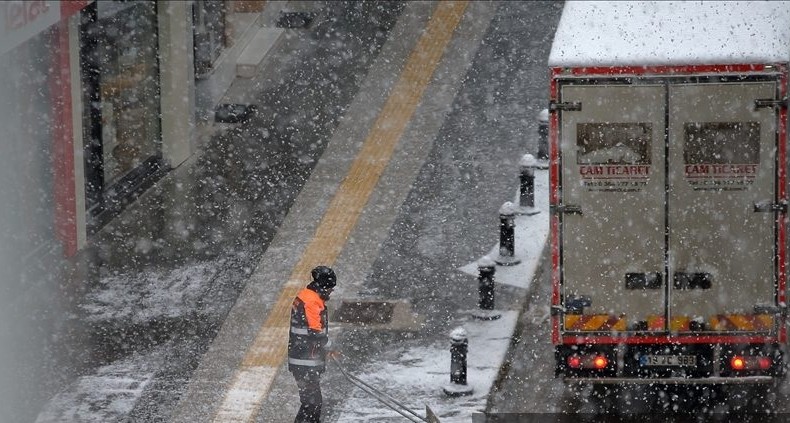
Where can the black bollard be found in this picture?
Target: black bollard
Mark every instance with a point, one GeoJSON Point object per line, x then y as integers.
{"type": "Point", "coordinates": [526, 196]}
{"type": "Point", "coordinates": [527, 193]}
{"type": "Point", "coordinates": [486, 268]}
{"type": "Point", "coordinates": [485, 281]}
{"type": "Point", "coordinates": [507, 236]}
{"type": "Point", "coordinates": [458, 349]}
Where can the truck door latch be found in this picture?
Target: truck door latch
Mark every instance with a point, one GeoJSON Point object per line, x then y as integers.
{"type": "Point", "coordinates": [768, 206]}
{"type": "Point", "coordinates": [780, 309]}
{"type": "Point", "coordinates": [567, 107]}
{"type": "Point", "coordinates": [566, 209]}
{"type": "Point", "coordinates": [770, 102]}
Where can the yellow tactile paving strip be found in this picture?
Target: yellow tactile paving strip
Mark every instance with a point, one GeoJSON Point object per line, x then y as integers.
{"type": "Point", "coordinates": [268, 350]}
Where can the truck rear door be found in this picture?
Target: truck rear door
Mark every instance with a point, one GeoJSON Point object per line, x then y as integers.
{"type": "Point", "coordinates": [613, 205]}
{"type": "Point", "coordinates": [659, 228]}
{"type": "Point", "coordinates": [722, 248]}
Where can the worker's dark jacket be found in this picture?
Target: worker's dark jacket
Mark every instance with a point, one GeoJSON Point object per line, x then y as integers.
{"type": "Point", "coordinates": [309, 335]}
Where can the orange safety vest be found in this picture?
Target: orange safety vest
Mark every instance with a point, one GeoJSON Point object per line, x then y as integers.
{"type": "Point", "coordinates": [309, 332]}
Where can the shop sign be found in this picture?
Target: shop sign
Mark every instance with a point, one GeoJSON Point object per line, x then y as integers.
{"type": "Point", "coordinates": [23, 20]}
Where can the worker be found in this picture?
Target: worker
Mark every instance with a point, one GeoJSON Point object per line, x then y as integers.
{"type": "Point", "coordinates": [308, 341]}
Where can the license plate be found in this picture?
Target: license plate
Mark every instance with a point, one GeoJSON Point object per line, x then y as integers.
{"type": "Point", "coordinates": [668, 360]}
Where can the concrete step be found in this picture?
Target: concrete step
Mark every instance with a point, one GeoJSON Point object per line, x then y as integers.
{"type": "Point", "coordinates": [253, 55]}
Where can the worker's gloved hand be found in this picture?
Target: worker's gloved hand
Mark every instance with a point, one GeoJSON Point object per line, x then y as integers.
{"type": "Point", "coordinates": [333, 354]}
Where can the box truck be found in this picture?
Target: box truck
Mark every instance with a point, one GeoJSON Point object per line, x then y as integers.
{"type": "Point", "coordinates": [668, 192]}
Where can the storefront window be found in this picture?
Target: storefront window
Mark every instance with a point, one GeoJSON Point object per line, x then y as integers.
{"type": "Point", "coordinates": [122, 105]}
{"type": "Point", "coordinates": [209, 20]}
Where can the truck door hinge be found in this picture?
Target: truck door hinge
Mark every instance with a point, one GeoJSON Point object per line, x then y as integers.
{"type": "Point", "coordinates": [770, 102]}
{"type": "Point", "coordinates": [567, 107]}
{"type": "Point", "coordinates": [780, 309]}
{"type": "Point", "coordinates": [768, 206]}
{"type": "Point", "coordinates": [565, 209]}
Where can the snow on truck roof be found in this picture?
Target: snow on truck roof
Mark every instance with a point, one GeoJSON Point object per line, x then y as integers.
{"type": "Point", "coordinates": [617, 33]}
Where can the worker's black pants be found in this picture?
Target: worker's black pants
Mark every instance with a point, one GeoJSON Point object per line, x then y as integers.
{"type": "Point", "coordinates": [309, 383]}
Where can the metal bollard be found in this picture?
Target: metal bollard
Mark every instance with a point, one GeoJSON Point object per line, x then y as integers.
{"type": "Point", "coordinates": [507, 236]}
{"type": "Point", "coordinates": [543, 134]}
{"type": "Point", "coordinates": [458, 350]}
{"type": "Point", "coordinates": [485, 281]}
{"type": "Point", "coordinates": [526, 196]}
{"type": "Point", "coordinates": [459, 346]}
{"type": "Point", "coordinates": [486, 268]}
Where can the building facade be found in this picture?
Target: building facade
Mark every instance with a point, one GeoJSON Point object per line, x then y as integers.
{"type": "Point", "coordinates": [95, 109]}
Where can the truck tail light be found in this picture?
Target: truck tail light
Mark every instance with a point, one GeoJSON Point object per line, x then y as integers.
{"type": "Point", "coordinates": [574, 362]}
{"type": "Point", "coordinates": [765, 363]}
{"type": "Point", "coordinates": [747, 362]}
{"type": "Point", "coordinates": [737, 363]}
{"type": "Point", "coordinates": [600, 362]}
{"type": "Point", "coordinates": [588, 361]}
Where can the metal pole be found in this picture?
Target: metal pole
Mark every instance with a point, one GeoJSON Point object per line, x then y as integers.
{"type": "Point", "coordinates": [458, 348]}
{"type": "Point", "coordinates": [382, 397]}
{"type": "Point", "coordinates": [527, 176]}
{"type": "Point", "coordinates": [526, 196]}
{"type": "Point", "coordinates": [485, 279]}
{"type": "Point", "coordinates": [507, 236]}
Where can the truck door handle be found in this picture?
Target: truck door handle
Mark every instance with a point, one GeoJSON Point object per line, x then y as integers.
{"type": "Point", "coordinates": [566, 209]}
{"type": "Point", "coordinates": [648, 280]}
{"type": "Point", "coordinates": [770, 103]}
{"type": "Point", "coordinates": [692, 280]}
{"type": "Point", "coordinates": [769, 206]}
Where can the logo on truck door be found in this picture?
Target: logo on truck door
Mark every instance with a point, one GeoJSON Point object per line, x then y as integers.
{"type": "Point", "coordinates": [614, 157]}
{"type": "Point", "coordinates": [721, 156]}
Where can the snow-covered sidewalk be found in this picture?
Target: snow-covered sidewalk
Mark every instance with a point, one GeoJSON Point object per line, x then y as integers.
{"type": "Point", "coordinates": [411, 372]}
{"type": "Point", "coordinates": [123, 305]}
{"type": "Point", "coordinates": [414, 372]}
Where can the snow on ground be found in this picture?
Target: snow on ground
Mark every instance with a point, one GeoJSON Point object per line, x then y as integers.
{"type": "Point", "coordinates": [422, 371]}
{"type": "Point", "coordinates": [531, 233]}
{"type": "Point", "coordinates": [105, 396]}
{"type": "Point", "coordinates": [149, 295]}
{"type": "Point", "coordinates": [111, 391]}
{"type": "Point", "coordinates": [414, 371]}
